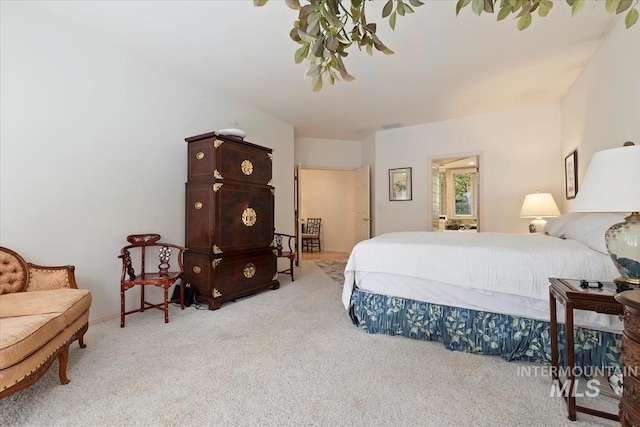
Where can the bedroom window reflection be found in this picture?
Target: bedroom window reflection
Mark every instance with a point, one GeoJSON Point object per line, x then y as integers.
{"type": "Point", "coordinates": [464, 184]}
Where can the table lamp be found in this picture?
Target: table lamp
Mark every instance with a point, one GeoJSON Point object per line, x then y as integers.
{"type": "Point", "coordinates": [612, 184]}
{"type": "Point", "coordinates": [538, 206]}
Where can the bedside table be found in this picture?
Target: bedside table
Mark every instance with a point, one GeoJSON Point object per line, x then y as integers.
{"type": "Point", "coordinates": [570, 294]}
{"type": "Point", "coordinates": [630, 403]}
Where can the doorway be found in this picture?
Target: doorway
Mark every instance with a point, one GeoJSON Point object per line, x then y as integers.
{"type": "Point", "coordinates": [455, 183]}
{"type": "Point", "coordinates": [329, 194]}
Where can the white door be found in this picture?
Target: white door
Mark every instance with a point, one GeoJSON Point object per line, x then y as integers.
{"type": "Point", "coordinates": [296, 215]}
{"type": "Point", "coordinates": [298, 188]}
{"type": "Point", "coordinates": [363, 204]}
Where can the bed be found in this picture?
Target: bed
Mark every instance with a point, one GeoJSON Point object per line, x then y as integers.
{"type": "Point", "coordinates": [485, 293]}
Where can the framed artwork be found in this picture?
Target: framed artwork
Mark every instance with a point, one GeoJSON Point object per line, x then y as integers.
{"type": "Point", "coordinates": [571, 174]}
{"type": "Point", "coordinates": [400, 184]}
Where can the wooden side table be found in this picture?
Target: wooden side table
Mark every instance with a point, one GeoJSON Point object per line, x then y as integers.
{"type": "Point", "coordinates": [569, 293]}
{"type": "Point", "coordinates": [630, 402]}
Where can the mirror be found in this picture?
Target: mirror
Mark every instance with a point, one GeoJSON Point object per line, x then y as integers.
{"type": "Point", "coordinates": [455, 198]}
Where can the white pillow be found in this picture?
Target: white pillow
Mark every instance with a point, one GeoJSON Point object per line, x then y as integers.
{"type": "Point", "coordinates": [590, 229]}
{"type": "Point", "coordinates": [556, 226]}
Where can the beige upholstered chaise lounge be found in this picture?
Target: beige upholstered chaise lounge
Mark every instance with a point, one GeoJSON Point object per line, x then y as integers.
{"type": "Point", "coordinates": [42, 312]}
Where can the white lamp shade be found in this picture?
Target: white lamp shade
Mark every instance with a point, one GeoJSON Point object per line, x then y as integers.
{"type": "Point", "coordinates": [611, 183]}
{"type": "Point", "coordinates": [539, 205]}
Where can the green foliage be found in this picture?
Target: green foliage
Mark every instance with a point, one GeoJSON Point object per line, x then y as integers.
{"type": "Point", "coordinates": [326, 29]}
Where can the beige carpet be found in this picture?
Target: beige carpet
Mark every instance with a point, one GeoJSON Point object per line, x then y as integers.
{"type": "Point", "coordinates": [289, 357]}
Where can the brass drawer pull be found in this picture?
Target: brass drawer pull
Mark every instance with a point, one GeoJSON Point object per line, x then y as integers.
{"type": "Point", "coordinates": [198, 205]}
{"type": "Point", "coordinates": [199, 155]}
{"type": "Point", "coordinates": [249, 270]}
{"type": "Point", "coordinates": [247, 167]}
{"type": "Point", "coordinates": [249, 217]}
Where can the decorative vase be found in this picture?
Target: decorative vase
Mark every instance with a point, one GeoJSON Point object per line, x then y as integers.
{"type": "Point", "coordinates": [623, 243]}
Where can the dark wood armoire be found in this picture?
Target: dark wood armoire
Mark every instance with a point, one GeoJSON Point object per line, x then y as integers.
{"type": "Point", "coordinates": [229, 218]}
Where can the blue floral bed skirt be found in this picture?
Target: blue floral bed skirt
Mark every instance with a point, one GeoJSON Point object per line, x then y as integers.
{"type": "Point", "coordinates": [481, 332]}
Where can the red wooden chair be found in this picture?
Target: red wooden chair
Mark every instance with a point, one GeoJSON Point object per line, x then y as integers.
{"type": "Point", "coordinates": [311, 235]}
{"type": "Point", "coordinates": [285, 248]}
{"type": "Point", "coordinates": [142, 248]}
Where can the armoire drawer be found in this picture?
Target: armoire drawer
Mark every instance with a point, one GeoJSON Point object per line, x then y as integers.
{"type": "Point", "coordinates": [228, 217]}
{"type": "Point", "coordinates": [225, 278]}
{"type": "Point", "coordinates": [215, 157]}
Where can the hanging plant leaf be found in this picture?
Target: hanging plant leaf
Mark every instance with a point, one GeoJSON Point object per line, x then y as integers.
{"type": "Point", "coordinates": [293, 4]}
{"type": "Point", "coordinates": [477, 6]}
{"type": "Point", "coordinates": [611, 5]}
{"type": "Point", "coordinates": [488, 6]}
{"type": "Point", "coordinates": [624, 5]}
{"type": "Point", "coordinates": [317, 83]}
{"type": "Point", "coordinates": [400, 8]}
{"type": "Point", "coordinates": [387, 9]}
{"type": "Point", "coordinates": [524, 21]}
{"type": "Point", "coordinates": [545, 7]}
{"type": "Point", "coordinates": [314, 70]}
{"type": "Point", "coordinates": [460, 4]}
{"type": "Point", "coordinates": [631, 18]}
{"type": "Point", "coordinates": [577, 6]}
{"type": "Point", "coordinates": [504, 12]}
{"type": "Point", "coordinates": [301, 54]}
{"type": "Point", "coordinates": [343, 71]}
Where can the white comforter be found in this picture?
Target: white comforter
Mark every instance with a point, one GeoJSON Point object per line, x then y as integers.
{"type": "Point", "coordinates": [519, 264]}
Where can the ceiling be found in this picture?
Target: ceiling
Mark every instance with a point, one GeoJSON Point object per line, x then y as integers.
{"type": "Point", "coordinates": [444, 66]}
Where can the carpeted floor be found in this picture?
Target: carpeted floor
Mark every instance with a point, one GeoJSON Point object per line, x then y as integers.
{"type": "Point", "coordinates": [334, 268]}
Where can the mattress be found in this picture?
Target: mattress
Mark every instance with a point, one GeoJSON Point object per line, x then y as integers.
{"type": "Point", "coordinates": [497, 272]}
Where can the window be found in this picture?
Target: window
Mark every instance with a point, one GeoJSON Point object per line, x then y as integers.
{"type": "Point", "coordinates": [465, 194]}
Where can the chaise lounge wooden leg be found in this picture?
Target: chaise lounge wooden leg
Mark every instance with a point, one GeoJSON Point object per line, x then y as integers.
{"type": "Point", "coordinates": [63, 357]}
{"type": "Point", "coordinates": [80, 336]}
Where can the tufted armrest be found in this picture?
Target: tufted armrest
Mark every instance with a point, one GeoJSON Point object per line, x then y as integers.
{"type": "Point", "coordinates": [17, 275]}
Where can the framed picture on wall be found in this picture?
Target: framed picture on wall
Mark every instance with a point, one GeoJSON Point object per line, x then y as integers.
{"type": "Point", "coordinates": [571, 174]}
{"type": "Point", "coordinates": [400, 184]}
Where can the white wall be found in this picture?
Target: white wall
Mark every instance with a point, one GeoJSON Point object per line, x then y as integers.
{"type": "Point", "coordinates": [602, 110]}
{"type": "Point", "coordinates": [519, 152]}
{"type": "Point", "coordinates": [327, 153]}
{"type": "Point", "coordinates": [92, 148]}
{"type": "Point", "coordinates": [330, 195]}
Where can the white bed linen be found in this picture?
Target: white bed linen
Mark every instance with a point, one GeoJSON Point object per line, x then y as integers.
{"type": "Point", "coordinates": [500, 263]}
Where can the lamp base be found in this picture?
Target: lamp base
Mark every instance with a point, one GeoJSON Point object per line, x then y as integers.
{"type": "Point", "coordinates": [537, 225]}
{"type": "Point", "coordinates": [623, 243]}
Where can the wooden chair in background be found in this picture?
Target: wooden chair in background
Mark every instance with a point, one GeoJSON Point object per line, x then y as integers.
{"type": "Point", "coordinates": [135, 254]}
{"type": "Point", "coordinates": [285, 248]}
{"type": "Point", "coordinates": [311, 235]}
